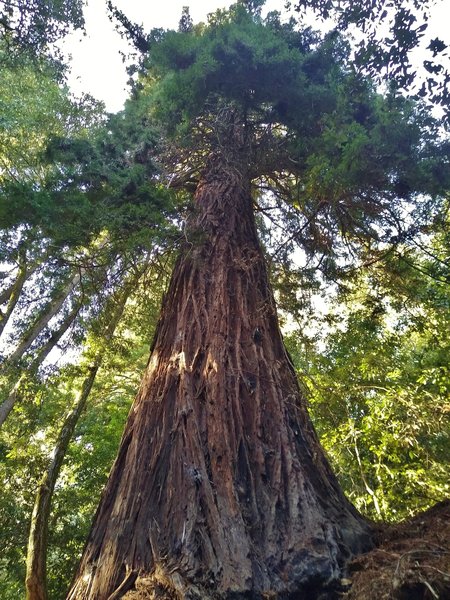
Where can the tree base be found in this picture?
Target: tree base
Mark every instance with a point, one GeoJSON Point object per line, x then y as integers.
{"type": "Point", "coordinates": [161, 586]}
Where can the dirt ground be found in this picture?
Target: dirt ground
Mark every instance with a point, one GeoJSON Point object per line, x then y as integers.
{"type": "Point", "coordinates": [411, 561]}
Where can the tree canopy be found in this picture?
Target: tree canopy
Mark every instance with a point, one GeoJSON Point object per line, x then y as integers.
{"type": "Point", "coordinates": [34, 25]}
{"type": "Point", "coordinates": [314, 125]}
{"type": "Point", "coordinates": [388, 35]}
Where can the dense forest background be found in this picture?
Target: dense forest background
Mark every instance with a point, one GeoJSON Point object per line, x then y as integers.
{"type": "Point", "coordinates": [92, 213]}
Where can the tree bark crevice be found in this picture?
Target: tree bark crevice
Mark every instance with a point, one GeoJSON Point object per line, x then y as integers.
{"type": "Point", "coordinates": [234, 493]}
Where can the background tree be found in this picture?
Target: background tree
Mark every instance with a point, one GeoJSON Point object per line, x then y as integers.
{"type": "Point", "coordinates": [69, 236]}
{"type": "Point", "coordinates": [28, 441]}
{"type": "Point", "coordinates": [387, 37]}
{"type": "Point", "coordinates": [386, 433]}
{"type": "Point", "coordinates": [34, 25]}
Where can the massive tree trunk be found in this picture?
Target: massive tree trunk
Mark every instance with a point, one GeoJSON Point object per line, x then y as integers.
{"type": "Point", "coordinates": [220, 488]}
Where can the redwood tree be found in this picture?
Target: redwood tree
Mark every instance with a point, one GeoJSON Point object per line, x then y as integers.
{"type": "Point", "coordinates": [220, 488]}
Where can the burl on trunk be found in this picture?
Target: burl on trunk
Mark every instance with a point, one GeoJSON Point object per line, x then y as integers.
{"type": "Point", "coordinates": [220, 488]}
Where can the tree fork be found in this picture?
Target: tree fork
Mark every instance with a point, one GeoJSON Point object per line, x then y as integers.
{"type": "Point", "coordinates": [48, 312]}
{"type": "Point", "coordinates": [220, 488]}
{"type": "Point", "coordinates": [12, 294]}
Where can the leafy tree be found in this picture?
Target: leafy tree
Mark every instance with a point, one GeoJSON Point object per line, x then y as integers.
{"type": "Point", "coordinates": [37, 544]}
{"type": "Point", "coordinates": [234, 123]}
{"type": "Point", "coordinates": [35, 108]}
{"type": "Point", "coordinates": [386, 431]}
{"type": "Point", "coordinates": [33, 25]}
{"type": "Point", "coordinates": [388, 35]}
{"type": "Point", "coordinates": [80, 208]}
{"type": "Point", "coordinates": [220, 488]}
{"type": "Point", "coordinates": [73, 201]}
{"type": "Point", "coordinates": [28, 441]}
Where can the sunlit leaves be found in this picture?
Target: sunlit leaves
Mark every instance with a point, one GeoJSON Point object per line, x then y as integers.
{"type": "Point", "coordinates": [27, 441]}
{"type": "Point", "coordinates": [388, 34]}
{"type": "Point", "coordinates": [380, 385]}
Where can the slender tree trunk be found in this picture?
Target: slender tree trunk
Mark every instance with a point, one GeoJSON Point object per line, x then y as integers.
{"type": "Point", "coordinates": [56, 336]}
{"type": "Point", "coordinates": [13, 293]}
{"type": "Point", "coordinates": [6, 293]}
{"type": "Point", "coordinates": [50, 310]}
{"type": "Point", "coordinates": [12, 397]}
{"type": "Point", "coordinates": [220, 488]}
{"type": "Point", "coordinates": [14, 394]}
{"type": "Point", "coordinates": [36, 576]}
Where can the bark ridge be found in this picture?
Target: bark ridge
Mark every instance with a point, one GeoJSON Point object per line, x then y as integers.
{"type": "Point", "coordinates": [220, 488]}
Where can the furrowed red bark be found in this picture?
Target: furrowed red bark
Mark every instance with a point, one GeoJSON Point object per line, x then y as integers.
{"type": "Point", "coordinates": [220, 488]}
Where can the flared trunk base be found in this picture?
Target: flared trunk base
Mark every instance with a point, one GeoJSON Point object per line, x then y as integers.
{"type": "Point", "coordinates": [162, 586]}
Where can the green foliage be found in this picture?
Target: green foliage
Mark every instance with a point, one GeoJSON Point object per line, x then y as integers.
{"type": "Point", "coordinates": [319, 136]}
{"type": "Point", "coordinates": [380, 386]}
{"type": "Point", "coordinates": [21, 462]}
{"type": "Point", "coordinates": [109, 183]}
{"type": "Point", "coordinates": [263, 67]}
{"type": "Point", "coordinates": [71, 172]}
{"type": "Point", "coordinates": [35, 107]}
{"type": "Point", "coordinates": [388, 34]}
{"type": "Point", "coordinates": [350, 178]}
{"type": "Point", "coordinates": [26, 442]}
{"type": "Point", "coordinates": [33, 25]}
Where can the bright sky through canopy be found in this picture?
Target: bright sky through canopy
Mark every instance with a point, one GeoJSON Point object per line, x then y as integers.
{"type": "Point", "coordinates": [97, 67]}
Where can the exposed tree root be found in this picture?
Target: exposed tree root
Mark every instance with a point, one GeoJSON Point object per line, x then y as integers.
{"type": "Point", "coordinates": [411, 561]}
{"type": "Point", "coordinates": [161, 587]}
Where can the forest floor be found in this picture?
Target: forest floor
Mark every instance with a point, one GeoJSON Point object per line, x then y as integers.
{"type": "Point", "coordinates": [411, 561]}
